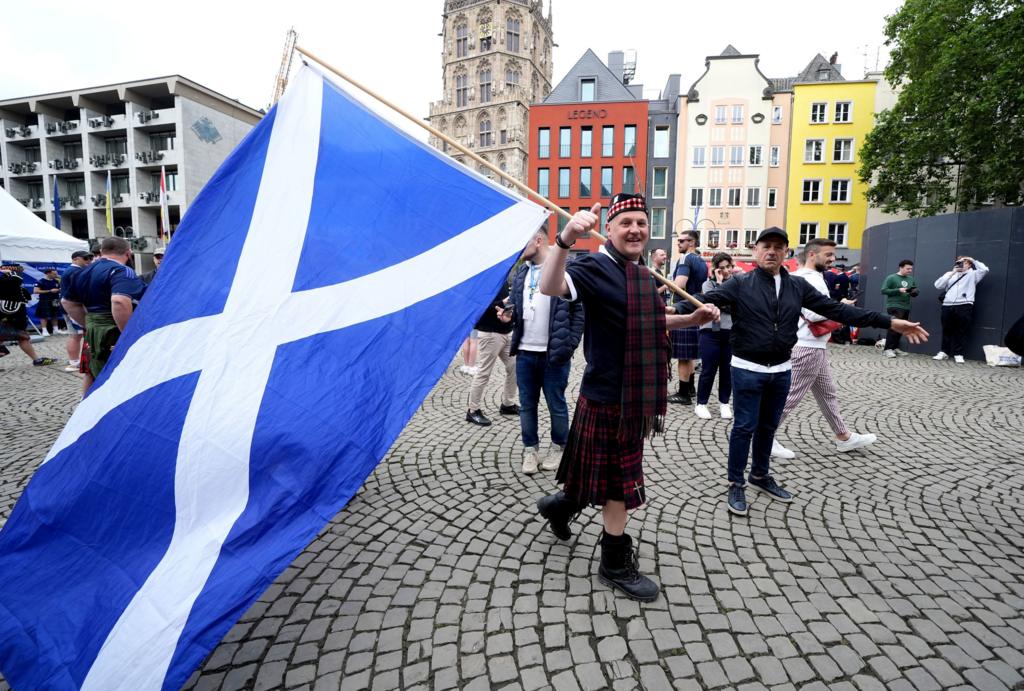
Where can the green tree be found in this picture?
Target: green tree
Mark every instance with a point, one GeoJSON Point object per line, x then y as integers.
{"type": "Point", "coordinates": [956, 133]}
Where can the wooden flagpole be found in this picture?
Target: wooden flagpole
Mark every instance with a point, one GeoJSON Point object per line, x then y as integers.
{"type": "Point", "coordinates": [525, 189]}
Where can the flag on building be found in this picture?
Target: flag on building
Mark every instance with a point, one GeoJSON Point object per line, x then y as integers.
{"type": "Point", "coordinates": [165, 217]}
{"type": "Point", "coordinates": [110, 205]}
{"type": "Point", "coordinates": [319, 287]}
{"type": "Point", "coordinates": [56, 204]}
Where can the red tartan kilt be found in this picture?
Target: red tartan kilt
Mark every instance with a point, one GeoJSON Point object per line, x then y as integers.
{"type": "Point", "coordinates": [597, 466]}
{"type": "Point", "coordinates": [83, 360]}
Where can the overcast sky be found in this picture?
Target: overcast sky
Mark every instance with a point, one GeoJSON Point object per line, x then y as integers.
{"type": "Point", "coordinates": [394, 47]}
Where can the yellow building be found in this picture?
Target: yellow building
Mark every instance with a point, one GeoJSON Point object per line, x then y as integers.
{"type": "Point", "coordinates": [824, 197]}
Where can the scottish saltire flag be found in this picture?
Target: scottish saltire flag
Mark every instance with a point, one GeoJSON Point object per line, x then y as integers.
{"type": "Point", "coordinates": [318, 288]}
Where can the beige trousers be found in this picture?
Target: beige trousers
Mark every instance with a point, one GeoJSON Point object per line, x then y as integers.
{"type": "Point", "coordinates": [492, 347]}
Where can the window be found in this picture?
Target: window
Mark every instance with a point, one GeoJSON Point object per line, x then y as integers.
{"type": "Point", "coordinates": [565, 142]}
{"type": "Point", "coordinates": [116, 145]}
{"type": "Point", "coordinates": [696, 197]}
{"type": "Point", "coordinates": [485, 43]}
{"type": "Point", "coordinates": [842, 151]}
{"type": "Point", "coordinates": [698, 156]}
{"type": "Point", "coordinates": [660, 190]}
{"type": "Point", "coordinates": [773, 195]}
{"type": "Point", "coordinates": [562, 220]}
{"type": "Point", "coordinates": [604, 218]}
{"type": "Point", "coordinates": [755, 155]}
{"type": "Point", "coordinates": [485, 86]}
{"type": "Point", "coordinates": [512, 34]}
{"type": "Point", "coordinates": [661, 141]}
{"type": "Point", "coordinates": [754, 196]}
{"type": "Point", "coordinates": [819, 112]}
{"type": "Point", "coordinates": [812, 192]}
{"type": "Point", "coordinates": [486, 134]}
{"type": "Point", "coordinates": [76, 188]}
{"type": "Point", "coordinates": [750, 236]}
{"type": "Point", "coordinates": [585, 186]}
{"type": "Point", "coordinates": [461, 90]}
{"type": "Point", "coordinates": [837, 233]}
{"type": "Point", "coordinates": [808, 231]}
{"type": "Point", "coordinates": [629, 140]}
{"type": "Point", "coordinates": [735, 155]}
{"type": "Point", "coordinates": [118, 185]}
{"type": "Point", "coordinates": [844, 111]}
{"type": "Point", "coordinates": [735, 196]}
{"type": "Point", "coordinates": [587, 90]}
{"type": "Point", "coordinates": [511, 78]}
{"type": "Point", "coordinates": [544, 142]}
{"type": "Point", "coordinates": [737, 115]}
{"type": "Point", "coordinates": [503, 138]}
{"type": "Point", "coordinates": [606, 182]}
{"type": "Point", "coordinates": [32, 154]}
{"type": "Point", "coordinates": [717, 155]}
{"type": "Point", "coordinates": [628, 179]}
{"type": "Point", "coordinates": [715, 196]}
{"type": "Point", "coordinates": [586, 142]}
{"type": "Point", "coordinates": [563, 182]}
{"type": "Point", "coordinates": [73, 150]}
{"type": "Point", "coordinates": [608, 140]}
{"type": "Point", "coordinates": [732, 237]}
{"type": "Point", "coordinates": [543, 182]}
{"type": "Point", "coordinates": [713, 238]}
{"type": "Point", "coordinates": [773, 157]}
{"type": "Point", "coordinates": [840, 192]}
{"type": "Point", "coordinates": [719, 115]}
{"type": "Point", "coordinates": [814, 151]}
{"type": "Point", "coordinates": [461, 41]}
{"type": "Point", "coordinates": [658, 223]}
{"type": "Point", "coordinates": [776, 115]}
{"type": "Point", "coordinates": [163, 141]}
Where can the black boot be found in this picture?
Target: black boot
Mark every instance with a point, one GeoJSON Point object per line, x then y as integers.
{"type": "Point", "coordinates": [620, 569]}
{"type": "Point", "coordinates": [558, 510]}
{"type": "Point", "coordinates": [691, 385]}
{"type": "Point", "coordinates": [682, 396]}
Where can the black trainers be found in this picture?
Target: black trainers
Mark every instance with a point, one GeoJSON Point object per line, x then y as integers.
{"type": "Point", "coordinates": [559, 511]}
{"type": "Point", "coordinates": [620, 569]}
{"type": "Point", "coordinates": [737, 500]}
{"type": "Point", "coordinates": [681, 397]}
{"type": "Point", "coordinates": [509, 409]}
{"type": "Point", "coordinates": [477, 417]}
{"type": "Point", "coordinates": [43, 361]}
{"type": "Point", "coordinates": [769, 486]}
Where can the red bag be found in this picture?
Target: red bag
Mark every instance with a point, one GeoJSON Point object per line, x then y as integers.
{"type": "Point", "coordinates": [823, 327]}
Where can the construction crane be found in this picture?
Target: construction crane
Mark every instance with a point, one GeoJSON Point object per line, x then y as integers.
{"type": "Point", "coordinates": [286, 65]}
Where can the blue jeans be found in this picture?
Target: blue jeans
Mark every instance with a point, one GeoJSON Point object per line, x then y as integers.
{"type": "Point", "coordinates": [534, 373]}
{"type": "Point", "coordinates": [715, 354]}
{"type": "Point", "coordinates": [758, 400]}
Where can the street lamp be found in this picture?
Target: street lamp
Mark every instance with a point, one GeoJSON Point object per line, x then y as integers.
{"type": "Point", "coordinates": [681, 225]}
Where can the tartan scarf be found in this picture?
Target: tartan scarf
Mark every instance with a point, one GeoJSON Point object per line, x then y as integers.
{"type": "Point", "coordinates": [644, 393]}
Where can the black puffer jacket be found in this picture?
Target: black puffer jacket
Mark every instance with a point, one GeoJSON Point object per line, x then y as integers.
{"type": "Point", "coordinates": [566, 321]}
{"type": "Point", "coordinates": [764, 326]}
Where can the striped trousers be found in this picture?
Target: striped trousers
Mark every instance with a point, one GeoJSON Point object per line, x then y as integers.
{"type": "Point", "coordinates": [811, 372]}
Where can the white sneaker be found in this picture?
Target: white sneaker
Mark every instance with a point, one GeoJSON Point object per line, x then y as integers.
{"type": "Point", "coordinates": [71, 368]}
{"type": "Point", "coordinates": [726, 411]}
{"type": "Point", "coordinates": [702, 412]}
{"type": "Point", "coordinates": [855, 441]}
{"type": "Point", "coordinates": [889, 353]}
{"type": "Point", "coordinates": [530, 460]}
{"type": "Point", "coordinates": [554, 458]}
{"type": "Point", "coordinates": [900, 352]}
{"type": "Point", "coordinates": [958, 359]}
{"type": "Point", "coordinates": [780, 451]}
{"type": "Point", "coordinates": [940, 356]}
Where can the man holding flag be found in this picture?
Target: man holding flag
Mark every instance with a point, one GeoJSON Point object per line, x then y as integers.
{"type": "Point", "coordinates": [622, 398]}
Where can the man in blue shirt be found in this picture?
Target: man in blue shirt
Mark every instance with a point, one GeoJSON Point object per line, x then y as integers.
{"type": "Point", "coordinates": [79, 260]}
{"type": "Point", "coordinates": [690, 274]}
{"type": "Point", "coordinates": [102, 296]}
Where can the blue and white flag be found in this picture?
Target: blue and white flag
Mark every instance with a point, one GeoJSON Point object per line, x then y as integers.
{"type": "Point", "coordinates": [314, 294]}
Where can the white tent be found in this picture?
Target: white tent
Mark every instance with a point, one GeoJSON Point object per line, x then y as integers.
{"type": "Point", "coordinates": [25, 237]}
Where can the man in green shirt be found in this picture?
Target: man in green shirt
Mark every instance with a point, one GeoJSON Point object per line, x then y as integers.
{"type": "Point", "coordinates": [898, 288]}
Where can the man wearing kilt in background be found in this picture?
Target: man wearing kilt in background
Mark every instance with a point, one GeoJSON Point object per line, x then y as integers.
{"type": "Point", "coordinates": [690, 274]}
{"type": "Point", "coordinates": [623, 395]}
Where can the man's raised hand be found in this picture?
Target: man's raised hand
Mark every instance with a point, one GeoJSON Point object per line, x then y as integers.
{"type": "Point", "coordinates": [582, 223]}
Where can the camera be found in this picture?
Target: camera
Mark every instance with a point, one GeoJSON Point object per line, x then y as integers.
{"type": "Point", "coordinates": [914, 292]}
{"type": "Point", "coordinates": [959, 264]}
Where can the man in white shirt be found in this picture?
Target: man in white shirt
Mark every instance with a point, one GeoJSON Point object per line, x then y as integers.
{"type": "Point", "coordinates": [959, 284]}
{"type": "Point", "coordinates": [811, 370]}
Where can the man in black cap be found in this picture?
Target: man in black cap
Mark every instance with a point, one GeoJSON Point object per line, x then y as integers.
{"type": "Point", "coordinates": [13, 314]}
{"type": "Point", "coordinates": [79, 260]}
{"type": "Point", "coordinates": [158, 257]}
{"type": "Point", "coordinates": [766, 306]}
{"type": "Point", "coordinates": [623, 395]}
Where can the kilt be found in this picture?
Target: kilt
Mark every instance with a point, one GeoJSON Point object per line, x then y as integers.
{"type": "Point", "coordinates": [597, 466]}
{"type": "Point", "coordinates": [83, 359]}
{"type": "Point", "coordinates": [48, 308]}
{"type": "Point", "coordinates": [684, 343]}
{"type": "Point", "coordinates": [10, 333]}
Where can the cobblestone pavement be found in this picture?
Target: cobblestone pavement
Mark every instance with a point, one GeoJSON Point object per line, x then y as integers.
{"type": "Point", "coordinates": [897, 567]}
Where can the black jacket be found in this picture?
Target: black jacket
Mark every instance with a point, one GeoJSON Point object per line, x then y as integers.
{"type": "Point", "coordinates": [763, 326]}
{"type": "Point", "coordinates": [565, 323]}
{"type": "Point", "coordinates": [488, 321]}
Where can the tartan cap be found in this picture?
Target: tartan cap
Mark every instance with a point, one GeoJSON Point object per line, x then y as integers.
{"type": "Point", "coordinates": [627, 202]}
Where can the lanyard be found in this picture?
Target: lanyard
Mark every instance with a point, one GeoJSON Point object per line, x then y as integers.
{"type": "Point", "coordinates": [534, 281]}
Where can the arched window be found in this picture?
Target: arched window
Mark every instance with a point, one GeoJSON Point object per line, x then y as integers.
{"type": "Point", "coordinates": [486, 27]}
{"type": "Point", "coordinates": [460, 127]}
{"type": "Point", "coordinates": [512, 25]}
{"type": "Point", "coordinates": [512, 74]}
{"type": "Point", "coordinates": [485, 85]}
{"type": "Point", "coordinates": [502, 126]}
{"type": "Point", "coordinates": [486, 134]}
{"type": "Point", "coordinates": [461, 89]}
{"type": "Point", "coordinates": [461, 40]}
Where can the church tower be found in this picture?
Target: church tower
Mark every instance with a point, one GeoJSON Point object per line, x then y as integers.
{"type": "Point", "coordinates": [496, 61]}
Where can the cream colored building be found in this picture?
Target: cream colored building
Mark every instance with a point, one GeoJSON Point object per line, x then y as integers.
{"type": "Point", "coordinates": [732, 154]}
{"type": "Point", "coordinates": [496, 58]}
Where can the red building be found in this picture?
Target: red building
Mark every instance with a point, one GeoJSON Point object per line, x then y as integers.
{"type": "Point", "coordinates": [588, 141]}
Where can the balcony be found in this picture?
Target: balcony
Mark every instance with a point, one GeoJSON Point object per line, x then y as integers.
{"type": "Point", "coordinates": [73, 201]}
{"type": "Point", "coordinates": [99, 200]}
{"type": "Point", "coordinates": [111, 160]}
{"type": "Point", "coordinates": [154, 117]}
{"type": "Point", "coordinates": [65, 163]}
{"type": "Point", "coordinates": [62, 126]}
{"type": "Point", "coordinates": [107, 122]}
{"type": "Point", "coordinates": [22, 131]}
{"type": "Point", "coordinates": [151, 158]}
{"type": "Point", "coordinates": [22, 168]}
{"type": "Point", "coordinates": [153, 198]}
{"type": "Point", "coordinates": [32, 203]}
